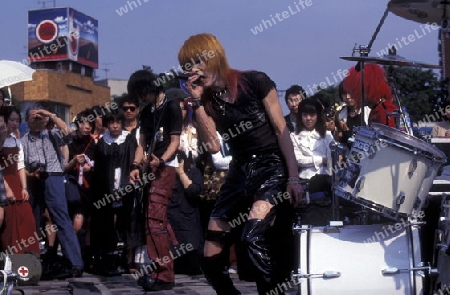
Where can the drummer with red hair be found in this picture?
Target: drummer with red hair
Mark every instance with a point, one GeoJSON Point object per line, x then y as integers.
{"type": "Point", "coordinates": [377, 93]}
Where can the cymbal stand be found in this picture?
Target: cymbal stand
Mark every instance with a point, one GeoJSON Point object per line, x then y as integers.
{"type": "Point", "coordinates": [364, 51]}
{"type": "Point", "coordinates": [401, 113]}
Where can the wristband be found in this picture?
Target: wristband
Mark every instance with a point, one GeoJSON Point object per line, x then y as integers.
{"type": "Point", "coordinates": [135, 166]}
{"type": "Point", "coordinates": [294, 179]}
{"type": "Point", "coordinates": [162, 163]}
{"type": "Point", "coordinates": [195, 103]}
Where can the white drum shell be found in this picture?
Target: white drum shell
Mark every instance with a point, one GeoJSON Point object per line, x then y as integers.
{"type": "Point", "coordinates": [360, 255]}
{"type": "Point", "coordinates": [389, 168]}
{"type": "Point", "coordinates": [427, 183]}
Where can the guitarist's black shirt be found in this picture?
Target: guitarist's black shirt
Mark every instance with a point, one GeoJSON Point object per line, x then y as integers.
{"type": "Point", "coordinates": [170, 123]}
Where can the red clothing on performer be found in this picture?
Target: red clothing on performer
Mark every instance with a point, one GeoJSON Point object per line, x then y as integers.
{"type": "Point", "coordinates": [380, 114]}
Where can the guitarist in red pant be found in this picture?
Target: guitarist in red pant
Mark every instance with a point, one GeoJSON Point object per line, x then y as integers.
{"type": "Point", "coordinates": [160, 129]}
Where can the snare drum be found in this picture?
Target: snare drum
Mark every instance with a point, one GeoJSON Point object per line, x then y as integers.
{"type": "Point", "coordinates": [354, 258]}
{"type": "Point", "coordinates": [385, 171]}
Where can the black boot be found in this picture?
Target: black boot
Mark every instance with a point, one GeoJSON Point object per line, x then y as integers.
{"type": "Point", "coordinates": [216, 272]}
{"type": "Point", "coordinates": [51, 255]}
{"type": "Point", "coordinates": [257, 238]}
{"type": "Point", "coordinates": [88, 258]}
{"type": "Point", "coordinates": [113, 264]}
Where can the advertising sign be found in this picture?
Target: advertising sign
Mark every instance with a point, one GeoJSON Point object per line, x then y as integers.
{"type": "Point", "coordinates": [62, 34]}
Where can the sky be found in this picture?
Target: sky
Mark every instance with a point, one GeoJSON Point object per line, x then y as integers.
{"type": "Point", "coordinates": [303, 48]}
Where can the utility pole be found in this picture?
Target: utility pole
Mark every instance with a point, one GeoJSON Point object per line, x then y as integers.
{"type": "Point", "coordinates": [47, 1]}
{"type": "Point", "coordinates": [106, 68]}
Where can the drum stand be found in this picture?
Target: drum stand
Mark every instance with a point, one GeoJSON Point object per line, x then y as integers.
{"type": "Point", "coordinates": [338, 150]}
{"type": "Point", "coordinates": [441, 251]}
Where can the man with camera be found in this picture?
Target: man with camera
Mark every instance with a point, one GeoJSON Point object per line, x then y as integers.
{"type": "Point", "coordinates": [44, 163]}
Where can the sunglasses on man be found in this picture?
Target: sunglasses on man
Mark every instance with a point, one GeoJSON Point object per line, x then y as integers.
{"type": "Point", "coordinates": [131, 109]}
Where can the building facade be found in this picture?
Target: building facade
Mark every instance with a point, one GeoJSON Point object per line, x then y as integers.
{"type": "Point", "coordinates": [64, 93]}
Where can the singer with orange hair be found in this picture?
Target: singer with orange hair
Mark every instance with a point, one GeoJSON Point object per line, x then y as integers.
{"type": "Point", "coordinates": [263, 166]}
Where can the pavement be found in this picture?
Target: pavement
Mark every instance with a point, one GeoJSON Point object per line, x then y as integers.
{"type": "Point", "coordinates": [90, 284]}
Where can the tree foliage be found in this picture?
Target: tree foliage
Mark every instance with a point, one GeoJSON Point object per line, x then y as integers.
{"type": "Point", "coordinates": [171, 82]}
{"type": "Point", "coordinates": [328, 96]}
{"type": "Point", "coordinates": [417, 89]}
{"type": "Point", "coordinates": [119, 98]}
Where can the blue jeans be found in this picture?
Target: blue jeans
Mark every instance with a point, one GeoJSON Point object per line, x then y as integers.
{"type": "Point", "coordinates": [50, 194]}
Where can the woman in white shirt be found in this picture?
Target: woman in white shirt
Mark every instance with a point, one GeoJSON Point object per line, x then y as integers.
{"type": "Point", "coordinates": [312, 142]}
{"type": "Point", "coordinates": [313, 155]}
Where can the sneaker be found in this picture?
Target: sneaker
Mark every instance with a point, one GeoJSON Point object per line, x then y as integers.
{"type": "Point", "coordinates": [152, 284]}
{"type": "Point", "coordinates": [232, 269]}
{"type": "Point", "coordinates": [77, 272]}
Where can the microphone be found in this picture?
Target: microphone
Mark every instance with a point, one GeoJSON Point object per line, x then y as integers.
{"type": "Point", "coordinates": [187, 76]}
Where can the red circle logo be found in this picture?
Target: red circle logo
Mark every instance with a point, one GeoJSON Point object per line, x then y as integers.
{"type": "Point", "coordinates": [23, 271]}
{"type": "Point", "coordinates": [47, 31]}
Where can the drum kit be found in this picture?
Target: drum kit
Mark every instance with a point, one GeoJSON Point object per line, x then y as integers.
{"type": "Point", "coordinates": [387, 173]}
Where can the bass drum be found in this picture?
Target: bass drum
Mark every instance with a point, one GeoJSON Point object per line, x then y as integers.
{"type": "Point", "coordinates": [354, 257]}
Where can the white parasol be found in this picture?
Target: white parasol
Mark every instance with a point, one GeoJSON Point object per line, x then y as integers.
{"type": "Point", "coordinates": [13, 72]}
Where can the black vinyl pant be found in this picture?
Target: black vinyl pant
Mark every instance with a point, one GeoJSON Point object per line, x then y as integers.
{"type": "Point", "coordinates": [265, 246]}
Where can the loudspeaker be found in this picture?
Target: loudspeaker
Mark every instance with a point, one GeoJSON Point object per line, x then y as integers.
{"type": "Point", "coordinates": [28, 267]}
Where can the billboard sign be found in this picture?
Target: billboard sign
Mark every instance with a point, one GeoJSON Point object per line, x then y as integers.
{"type": "Point", "coordinates": [62, 34]}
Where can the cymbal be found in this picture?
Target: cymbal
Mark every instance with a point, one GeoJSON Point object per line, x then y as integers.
{"type": "Point", "coordinates": [390, 60]}
{"type": "Point", "coordinates": [422, 11]}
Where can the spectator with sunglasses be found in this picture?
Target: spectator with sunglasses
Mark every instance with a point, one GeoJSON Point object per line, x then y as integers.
{"type": "Point", "coordinates": [137, 252]}
{"type": "Point", "coordinates": [130, 107]}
